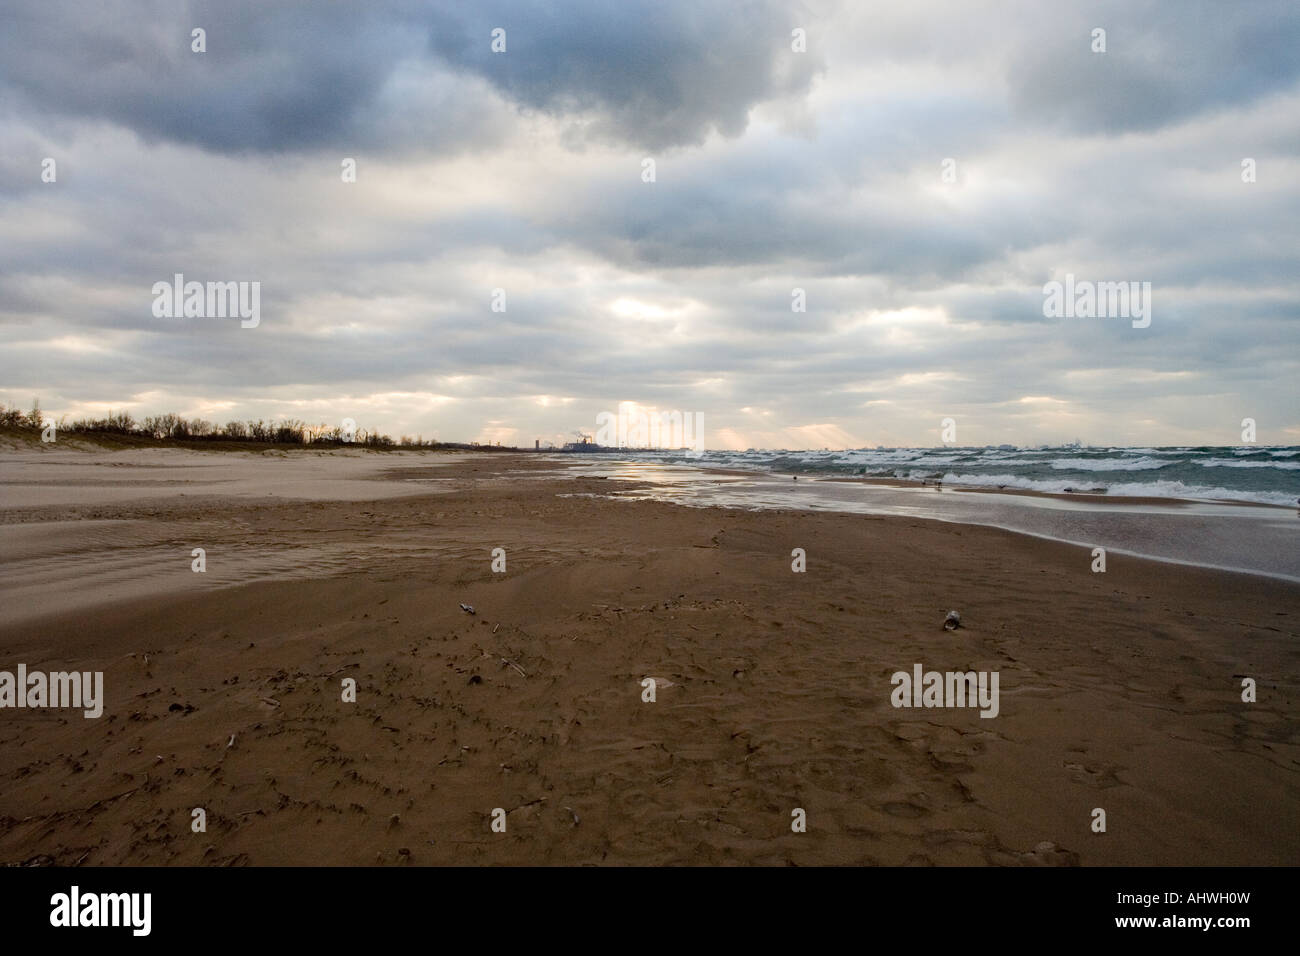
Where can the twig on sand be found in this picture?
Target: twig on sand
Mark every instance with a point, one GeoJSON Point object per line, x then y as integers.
{"type": "Point", "coordinates": [270, 700]}
{"type": "Point", "coordinates": [232, 742]}
{"type": "Point", "coordinates": [515, 666]}
{"type": "Point", "coordinates": [119, 796]}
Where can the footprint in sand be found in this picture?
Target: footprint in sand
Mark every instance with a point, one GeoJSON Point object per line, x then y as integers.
{"type": "Point", "coordinates": [1101, 779]}
{"type": "Point", "coordinates": [1049, 854]}
{"type": "Point", "coordinates": [1045, 854]}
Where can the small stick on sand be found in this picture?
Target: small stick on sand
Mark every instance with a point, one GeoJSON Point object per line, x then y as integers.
{"type": "Point", "coordinates": [515, 666]}
{"type": "Point", "coordinates": [232, 742]}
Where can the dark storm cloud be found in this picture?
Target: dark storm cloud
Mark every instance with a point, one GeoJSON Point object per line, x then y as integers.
{"type": "Point", "coordinates": [298, 75]}
{"type": "Point", "coordinates": [1164, 62]}
{"type": "Point", "coordinates": [655, 74]}
{"type": "Point", "coordinates": [274, 76]}
{"type": "Point", "coordinates": [647, 73]}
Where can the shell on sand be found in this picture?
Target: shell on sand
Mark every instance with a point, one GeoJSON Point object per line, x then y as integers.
{"type": "Point", "coordinates": [952, 621]}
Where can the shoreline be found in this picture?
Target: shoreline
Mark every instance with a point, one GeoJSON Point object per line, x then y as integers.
{"type": "Point", "coordinates": [1198, 530]}
{"type": "Point", "coordinates": [157, 475]}
{"type": "Point", "coordinates": [95, 444]}
{"type": "Point", "coordinates": [148, 476]}
{"type": "Point", "coordinates": [1121, 500]}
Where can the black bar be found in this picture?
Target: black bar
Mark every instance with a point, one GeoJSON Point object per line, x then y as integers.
{"type": "Point", "coordinates": [445, 907]}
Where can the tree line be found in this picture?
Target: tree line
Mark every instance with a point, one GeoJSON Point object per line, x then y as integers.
{"type": "Point", "coordinates": [171, 427]}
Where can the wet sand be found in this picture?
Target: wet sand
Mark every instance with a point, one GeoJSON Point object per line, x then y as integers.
{"type": "Point", "coordinates": [1228, 535]}
{"type": "Point", "coordinates": [1119, 691]}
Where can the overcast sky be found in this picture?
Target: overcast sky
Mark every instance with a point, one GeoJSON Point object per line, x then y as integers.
{"type": "Point", "coordinates": [774, 169]}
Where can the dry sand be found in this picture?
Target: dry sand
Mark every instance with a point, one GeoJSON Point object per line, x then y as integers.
{"type": "Point", "coordinates": [1119, 691]}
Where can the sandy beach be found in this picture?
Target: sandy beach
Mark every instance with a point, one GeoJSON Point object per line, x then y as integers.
{"type": "Point", "coordinates": [224, 689]}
